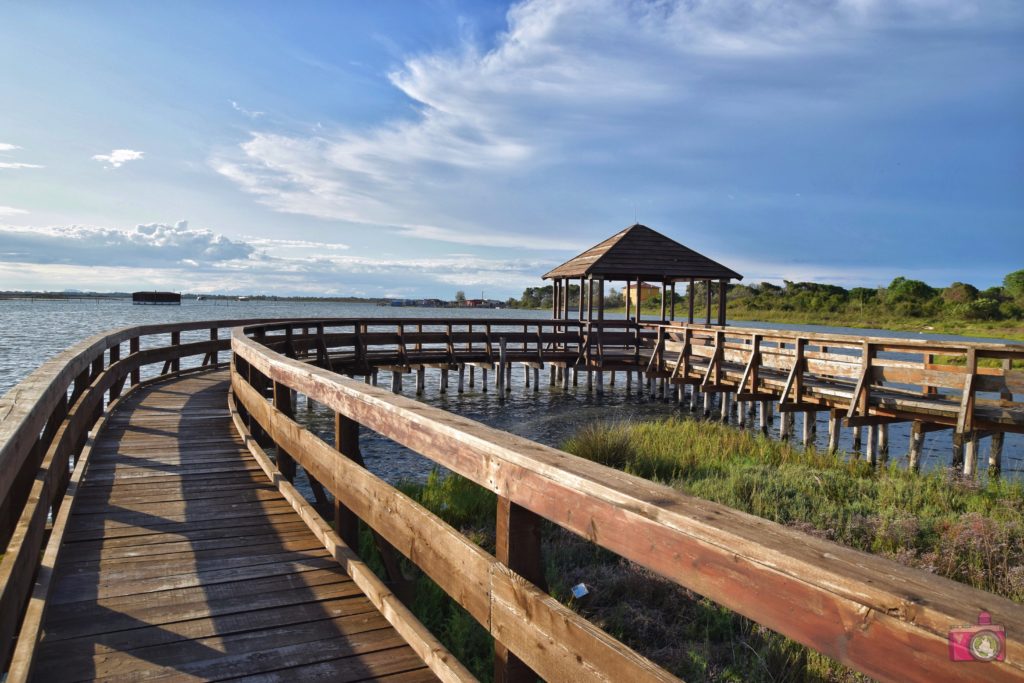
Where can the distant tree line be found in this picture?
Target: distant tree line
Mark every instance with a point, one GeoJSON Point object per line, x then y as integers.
{"type": "Point", "coordinates": [903, 298]}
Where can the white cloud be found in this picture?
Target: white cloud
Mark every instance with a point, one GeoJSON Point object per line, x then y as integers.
{"type": "Point", "coordinates": [587, 88]}
{"type": "Point", "coordinates": [118, 157]}
{"type": "Point", "coordinates": [8, 147]}
{"type": "Point", "coordinates": [201, 260]}
{"type": "Point", "coordinates": [153, 244]}
{"type": "Point", "coordinates": [242, 110]}
{"type": "Point", "coordinates": [10, 211]}
{"type": "Point", "coordinates": [17, 165]}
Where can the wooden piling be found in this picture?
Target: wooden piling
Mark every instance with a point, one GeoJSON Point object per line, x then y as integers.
{"type": "Point", "coordinates": [883, 442]}
{"type": "Point", "coordinates": [707, 404]}
{"type": "Point", "coordinates": [443, 381]}
{"type": "Point", "coordinates": [970, 454]}
{"type": "Point", "coordinates": [810, 431]}
{"type": "Point", "coordinates": [786, 426]}
{"type": "Point", "coordinates": [536, 380]}
{"type": "Point", "coordinates": [870, 454]}
{"type": "Point", "coordinates": [462, 377]}
{"type": "Point", "coordinates": [724, 399]}
{"type": "Point", "coordinates": [834, 427]}
{"type": "Point", "coordinates": [995, 455]}
{"type": "Point", "coordinates": [396, 382]}
{"type": "Point", "coordinates": [472, 376]}
{"type": "Point", "coordinates": [421, 380]}
{"type": "Point", "coordinates": [856, 440]}
{"type": "Point", "coordinates": [916, 446]}
{"type": "Point", "coordinates": [499, 378]}
{"type": "Point", "coordinates": [600, 383]}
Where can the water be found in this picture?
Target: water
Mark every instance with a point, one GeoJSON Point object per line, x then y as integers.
{"type": "Point", "coordinates": [32, 331]}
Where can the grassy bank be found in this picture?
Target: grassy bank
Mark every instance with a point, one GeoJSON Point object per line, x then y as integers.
{"type": "Point", "coordinates": [970, 532]}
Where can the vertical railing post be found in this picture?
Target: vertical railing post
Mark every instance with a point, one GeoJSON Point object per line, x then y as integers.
{"type": "Point", "coordinates": [283, 402]}
{"type": "Point", "coordinates": [176, 363]}
{"type": "Point", "coordinates": [346, 442]}
{"type": "Point", "coordinates": [518, 547]}
{"type": "Point", "coordinates": [115, 356]}
{"type": "Point", "coordinates": [133, 348]}
{"type": "Point", "coordinates": [214, 354]}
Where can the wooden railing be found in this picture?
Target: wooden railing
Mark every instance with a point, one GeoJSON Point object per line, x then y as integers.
{"type": "Point", "coordinates": [863, 381]}
{"type": "Point", "coordinates": [882, 618]}
{"type": "Point", "coordinates": [45, 425]}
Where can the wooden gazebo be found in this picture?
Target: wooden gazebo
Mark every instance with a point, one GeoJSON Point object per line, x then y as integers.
{"type": "Point", "coordinates": [637, 255]}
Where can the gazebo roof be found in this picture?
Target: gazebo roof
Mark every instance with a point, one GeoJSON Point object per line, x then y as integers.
{"type": "Point", "coordinates": [639, 252]}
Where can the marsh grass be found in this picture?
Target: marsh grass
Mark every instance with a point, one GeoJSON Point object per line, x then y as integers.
{"type": "Point", "coordinates": [971, 532]}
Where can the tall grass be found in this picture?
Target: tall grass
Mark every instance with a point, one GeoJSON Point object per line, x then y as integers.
{"type": "Point", "coordinates": [968, 531]}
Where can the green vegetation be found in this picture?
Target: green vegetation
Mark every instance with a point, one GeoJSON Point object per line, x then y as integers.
{"type": "Point", "coordinates": [968, 531]}
{"type": "Point", "coordinates": [904, 305]}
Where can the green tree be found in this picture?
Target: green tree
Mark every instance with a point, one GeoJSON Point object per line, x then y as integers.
{"type": "Point", "coordinates": [959, 293]}
{"type": "Point", "coordinates": [460, 297]}
{"type": "Point", "coordinates": [1013, 286]}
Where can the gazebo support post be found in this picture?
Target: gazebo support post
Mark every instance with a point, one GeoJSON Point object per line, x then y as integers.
{"type": "Point", "coordinates": [689, 297]}
{"type": "Point", "coordinates": [721, 302]}
{"type": "Point", "coordinates": [664, 295]}
{"type": "Point", "coordinates": [707, 291]}
{"type": "Point", "coordinates": [672, 298]}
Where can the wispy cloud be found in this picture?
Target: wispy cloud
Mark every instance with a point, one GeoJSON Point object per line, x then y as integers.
{"type": "Point", "coordinates": [14, 165]}
{"type": "Point", "coordinates": [588, 89]}
{"type": "Point", "coordinates": [118, 157]}
{"type": "Point", "coordinates": [242, 110]}
{"type": "Point", "coordinates": [11, 211]}
{"type": "Point", "coordinates": [18, 165]}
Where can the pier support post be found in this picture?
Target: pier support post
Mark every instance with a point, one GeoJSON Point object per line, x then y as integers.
{"type": "Point", "coordinates": [763, 405]}
{"type": "Point", "coordinates": [786, 426]}
{"type": "Point", "coordinates": [499, 377]}
{"type": "Point", "coordinates": [869, 452]}
{"type": "Point", "coordinates": [916, 446]}
{"type": "Point", "coordinates": [856, 440]}
{"type": "Point", "coordinates": [629, 381]}
{"type": "Point", "coordinates": [810, 426]}
{"type": "Point", "coordinates": [883, 443]}
{"type": "Point", "coordinates": [373, 377]}
{"type": "Point", "coordinates": [694, 399]}
{"type": "Point", "coordinates": [724, 398]}
{"type": "Point", "coordinates": [526, 375]}
{"type": "Point", "coordinates": [565, 378]}
{"type": "Point", "coordinates": [462, 377]}
{"type": "Point", "coordinates": [590, 381]}
{"type": "Point", "coordinates": [707, 404]}
{"type": "Point", "coordinates": [443, 382]}
{"type": "Point", "coordinates": [396, 382]}
{"type": "Point", "coordinates": [995, 455]}
{"type": "Point", "coordinates": [472, 376]}
{"type": "Point", "coordinates": [958, 452]}
{"type": "Point", "coordinates": [600, 383]}
{"type": "Point", "coordinates": [536, 380]}
{"type": "Point", "coordinates": [575, 377]}
{"type": "Point", "coordinates": [483, 380]}
{"type": "Point", "coordinates": [421, 380]}
{"type": "Point", "coordinates": [834, 426]}
{"type": "Point", "coordinates": [970, 454]}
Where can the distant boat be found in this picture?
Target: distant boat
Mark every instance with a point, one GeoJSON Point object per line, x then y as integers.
{"type": "Point", "coordinates": [200, 298]}
{"type": "Point", "coordinates": [157, 298]}
{"type": "Point", "coordinates": [243, 298]}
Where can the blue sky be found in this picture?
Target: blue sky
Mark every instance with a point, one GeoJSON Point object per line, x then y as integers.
{"type": "Point", "coordinates": [401, 148]}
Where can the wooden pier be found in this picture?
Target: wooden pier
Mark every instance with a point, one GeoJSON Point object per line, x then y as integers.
{"type": "Point", "coordinates": [147, 532]}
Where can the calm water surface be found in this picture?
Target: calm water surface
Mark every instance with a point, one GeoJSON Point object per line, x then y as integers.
{"type": "Point", "coordinates": [32, 331]}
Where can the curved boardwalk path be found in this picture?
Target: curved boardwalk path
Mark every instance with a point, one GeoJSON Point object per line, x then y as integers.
{"type": "Point", "coordinates": [182, 561]}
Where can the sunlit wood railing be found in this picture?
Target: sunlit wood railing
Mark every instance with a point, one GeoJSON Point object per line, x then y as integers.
{"type": "Point", "coordinates": [886, 620]}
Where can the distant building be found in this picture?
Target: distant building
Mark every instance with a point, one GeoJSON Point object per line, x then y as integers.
{"type": "Point", "coordinates": [158, 298]}
{"type": "Point", "coordinates": [647, 292]}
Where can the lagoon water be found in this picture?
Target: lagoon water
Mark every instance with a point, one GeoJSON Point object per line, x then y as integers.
{"type": "Point", "coordinates": [33, 330]}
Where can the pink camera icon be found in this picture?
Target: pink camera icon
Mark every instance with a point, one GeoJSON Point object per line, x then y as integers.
{"type": "Point", "coordinates": [984, 642]}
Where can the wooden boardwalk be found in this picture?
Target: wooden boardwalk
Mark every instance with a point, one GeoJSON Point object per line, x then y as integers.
{"type": "Point", "coordinates": [182, 561]}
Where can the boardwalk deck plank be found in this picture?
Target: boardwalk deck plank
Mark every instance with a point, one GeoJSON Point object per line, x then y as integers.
{"type": "Point", "coordinates": [182, 562]}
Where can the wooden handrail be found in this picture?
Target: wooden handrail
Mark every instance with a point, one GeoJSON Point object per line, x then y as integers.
{"type": "Point", "coordinates": [44, 426]}
{"type": "Point", "coordinates": [880, 617]}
